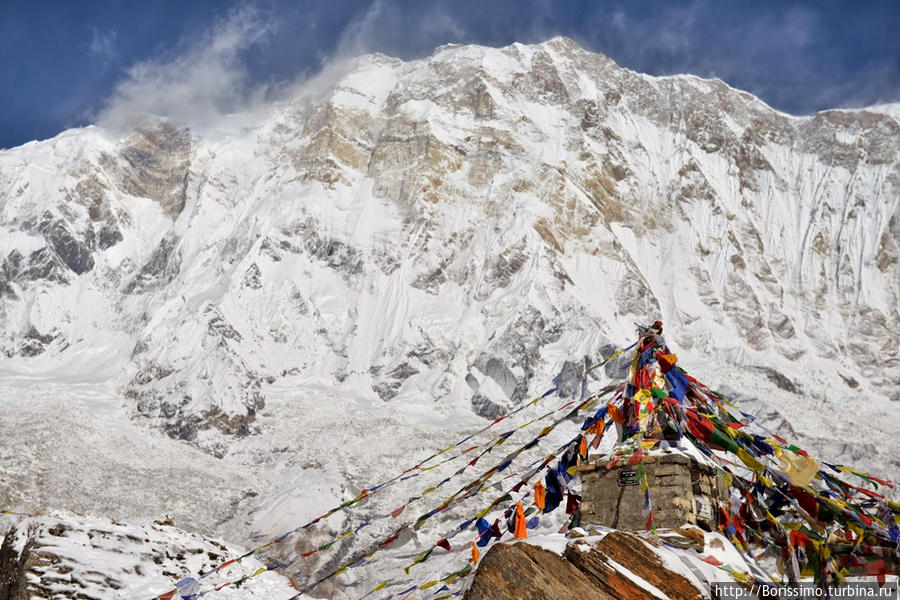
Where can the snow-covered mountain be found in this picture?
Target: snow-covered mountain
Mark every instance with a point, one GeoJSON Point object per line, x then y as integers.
{"type": "Point", "coordinates": [425, 244]}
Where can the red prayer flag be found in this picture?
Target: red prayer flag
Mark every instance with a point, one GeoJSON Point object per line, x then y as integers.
{"type": "Point", "coordinates": [495, 529]}
{"type": "Point", "coordinates": [571, 503]}
{"type": "Point", "coordinates": [876, 568]}
{"type": "Point", "coordinates": [637, 457]}
{"type": "Point", "coordinates": [886, 482]}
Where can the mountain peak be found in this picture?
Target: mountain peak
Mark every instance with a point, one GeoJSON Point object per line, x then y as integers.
{"type": "Point", "coordinates": [424, 244]}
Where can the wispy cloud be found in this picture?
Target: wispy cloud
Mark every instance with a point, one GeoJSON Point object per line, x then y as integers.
{"type": "Point", "coordinates": [196, 86]}
{"type": "Point", "coordinates": [103, 47]}
{"type": "Point", "coordinates": [388, 26]}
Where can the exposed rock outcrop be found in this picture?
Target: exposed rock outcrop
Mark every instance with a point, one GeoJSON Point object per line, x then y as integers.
{"type": "Point", "coordinates": [526, 572]}
{"type": "Point", "coordinates": [619, 566]}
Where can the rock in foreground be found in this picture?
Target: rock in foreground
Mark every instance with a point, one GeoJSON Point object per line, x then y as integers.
{"type": "Point", "coordinates": [619, 565]}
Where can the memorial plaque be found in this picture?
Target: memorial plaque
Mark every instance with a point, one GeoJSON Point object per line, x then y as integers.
{"type": "Point", "coordinates": [628, 477]}
{"type": "Point", "coordinates": [703, 509]}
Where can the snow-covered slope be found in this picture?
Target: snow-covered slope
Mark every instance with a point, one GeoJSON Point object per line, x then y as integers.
{"type": "Point", "coordinates": [428, 243]}
{"type": "Point", "coordinates": [63, 555]}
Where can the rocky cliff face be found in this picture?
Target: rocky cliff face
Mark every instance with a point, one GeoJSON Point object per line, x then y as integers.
{"type": "Point", "coordinates": [457, 227]}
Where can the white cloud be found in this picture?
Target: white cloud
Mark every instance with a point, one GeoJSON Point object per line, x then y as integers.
{"type": "Point", "coordinates": [358, 36]}
{"type": "Point", "coordinates": [387, 25]}
{"type": "Point", "coordinates": [103, 46]}
{"type": "Point", "coordinates": [195, 87]}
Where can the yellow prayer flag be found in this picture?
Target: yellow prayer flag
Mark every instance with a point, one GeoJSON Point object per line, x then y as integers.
{"type": "Point", "coordinates": [727, 477]}
{"type": "Point", "coordinates": [748, 460]}
{"type": "Point", "coordinates": [642, 396]}
{"type": "Point", "coordinates": [800, 469]}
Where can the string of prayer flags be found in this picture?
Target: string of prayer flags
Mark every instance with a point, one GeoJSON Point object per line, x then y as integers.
{"type": "Point", "coordinates": [516, 516]}
{"type": "Point", "coordinates": [570, 451]}
{"type": "Point", "coordinates": [785, 493]}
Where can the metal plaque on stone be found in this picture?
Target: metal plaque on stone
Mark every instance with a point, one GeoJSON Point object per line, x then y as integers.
{"type": "Point", "coordinates": [628, 477]}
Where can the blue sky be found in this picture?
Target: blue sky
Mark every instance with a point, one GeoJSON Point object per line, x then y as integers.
{"type": "Point", "coordinates": [73, 62]}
